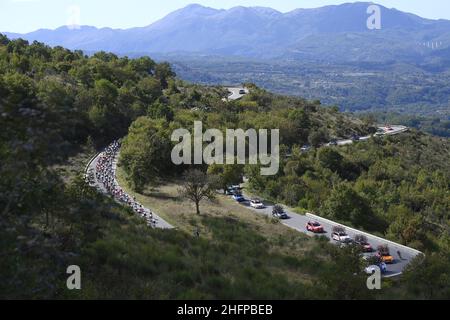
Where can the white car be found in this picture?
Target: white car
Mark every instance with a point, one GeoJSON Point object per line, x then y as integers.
{"type": "Point", "coordinates": [305, 148]}
{"type": "Point", "coordinates": [257, 204]}
{"type": "Point", "coordinates": [341, 237]}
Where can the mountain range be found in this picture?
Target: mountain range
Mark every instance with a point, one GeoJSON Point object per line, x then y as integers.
{"type": "Point", "coordinates": [331, 33]}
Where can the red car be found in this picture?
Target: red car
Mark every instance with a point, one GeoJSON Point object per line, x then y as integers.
{"type": "Point", "coordinates": [365, 246]}
{"type": "Point", "coordinates": [362, 241]}
{"type": "Point", "coordinates": [314, 226]}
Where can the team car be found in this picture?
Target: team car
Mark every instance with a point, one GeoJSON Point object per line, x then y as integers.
{"type": "Point", "coordinates": [314, 226]}
{"type": "Point", "coordinates": [257, 204]}
{"type": "Point", "coordinates": [333, 142]}
{"type": "Point", "coordinates": [362, 241]}
{"type": "Point", "coordinates": [278, 212]}
{"type": "Point", "coordinates": [239, 198]}
{"type": "Point", "coordinates": [384, 255]}
{"type": "Point", "coordinates": [305, 148]}
{"type": "Point", "coordinates": [340, 235]}
{"type": "Point", "coordinates": [232, 190]}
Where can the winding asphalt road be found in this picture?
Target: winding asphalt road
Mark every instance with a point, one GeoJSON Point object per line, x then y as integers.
{"type": "Point", "coordinates": [384, 131]}
{"type": "Point", "coordinates": [235, 95]}
{"type": "Point", "coordinates": [402, 254]}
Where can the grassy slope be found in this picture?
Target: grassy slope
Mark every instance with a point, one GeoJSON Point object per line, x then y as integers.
{"type": "Point", "coordinates": [278, 240]}
{"type": "Point", "coordinates": [180, 212]}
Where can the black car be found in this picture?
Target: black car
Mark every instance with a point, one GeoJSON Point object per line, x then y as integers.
{"type": "Point", "coordinates": [305, 148]}
{"type": "Point", "coordinates": [231, 191]}
{"type": "Point", "coordinates": [278, 212]}
{"type": "Point", "coordinates": [356, 138]}
{"type": "Point", "coordinates": [333, 142]}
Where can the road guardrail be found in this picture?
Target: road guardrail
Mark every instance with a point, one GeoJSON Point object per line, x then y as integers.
{"type": "Point", "coordinates": [316, 217]}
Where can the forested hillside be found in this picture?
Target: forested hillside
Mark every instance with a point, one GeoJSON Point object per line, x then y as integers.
{"type": "Point", "coordinates": [410, 89]}
{"type": "Point", "coordinates": [325, 53]}
{"type": "Point", "coordinates": [58, 106]}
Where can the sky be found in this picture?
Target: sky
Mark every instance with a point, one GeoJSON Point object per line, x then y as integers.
{"type": "Point", "coordinates": [23, 16]}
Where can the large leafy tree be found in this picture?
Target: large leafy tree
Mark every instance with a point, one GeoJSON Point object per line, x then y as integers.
{"type": "Point", "coordinates": [227, 174]}
{"type": "Point", "coordinates": [345, 204]}
{"type": "Point", "coordinates": [330, 159]}
{"type": "Point", "coordinates": [145, 154]}
{"type": "Point", "coordinates": [163, 72]}
{"type": "Point", "coordinates": [428, 277]}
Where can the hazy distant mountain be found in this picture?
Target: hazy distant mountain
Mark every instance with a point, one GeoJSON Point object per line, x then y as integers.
{"type": "Point", "coordinates": [328, 33]}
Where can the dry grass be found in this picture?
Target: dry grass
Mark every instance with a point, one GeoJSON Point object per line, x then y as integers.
{"type": "Point", "coordinates": [180, 212]}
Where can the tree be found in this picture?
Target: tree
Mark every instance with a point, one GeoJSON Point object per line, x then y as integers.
{"type": "Point", "coordinates": [316, 138]}
{"type": "Point", "coordinates": [160, 110]}
{"type": "Point", "coordinates": [105, 92]}
{"type": "Point", "coordinates": [143, 65]}
{"type": "Point", "coordinates": [301, 121]}
{"type": "Point", "coordinates": [227, 174]}
{"type": "Point", "coordinates": [105, 56]}
{"type": "Point", "coordinates": [149, 90]}
{"type": "Point", "coordinates": [406, 226]}
{"type": "Point", "coordinates": [163, 72]}
{"type": "Point", "coordinates": [347, 205]}
{"type": "Point", "coordinates": [428, 277]}
{"type": "Point", "coordinates": [330, 159]}
{"type": "Point", "coordinates": [344, 278]}
{"type": "Point", "coordinates": [293, 191]}
{"type": "Point", "coordinates": [3, 40]}
{"type": "Point", "coordinates": [145, 153]}
{"type": "Point", "coordinates": [197, 186]}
